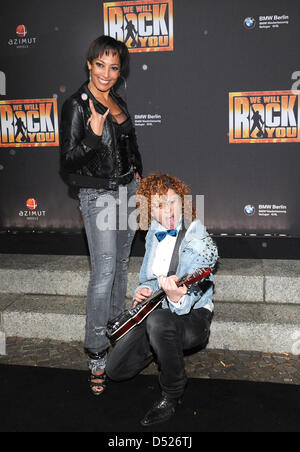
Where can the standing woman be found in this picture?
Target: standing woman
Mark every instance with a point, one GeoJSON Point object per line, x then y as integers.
{"type": "Point", "coordinates": [99, 154]}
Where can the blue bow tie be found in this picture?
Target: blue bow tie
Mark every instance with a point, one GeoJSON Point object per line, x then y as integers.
{"type": "Point", "coordinates": [163, 234]}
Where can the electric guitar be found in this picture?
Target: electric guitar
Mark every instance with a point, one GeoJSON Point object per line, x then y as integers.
{"type": "Point", "coordinates": [122, 324]}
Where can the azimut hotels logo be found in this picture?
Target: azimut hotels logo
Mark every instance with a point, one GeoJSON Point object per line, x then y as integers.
{"type": "Point", "coordinates": [144, 26]}
{"type": "Point", "coordinates": [32, 214]}
{"type": "Point", "coordinates": [29, 123]}
{"type": "Point", "coordinates": [264, 117]}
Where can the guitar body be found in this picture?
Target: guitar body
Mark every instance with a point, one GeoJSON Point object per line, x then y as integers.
{"type": "Point", "coordinates": [124, 323]}
{"type": "Point", "coordinates": [130, 318]}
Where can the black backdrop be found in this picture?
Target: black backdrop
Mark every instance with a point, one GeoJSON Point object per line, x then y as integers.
{"type": "Point", "coordinates": [186, 91]}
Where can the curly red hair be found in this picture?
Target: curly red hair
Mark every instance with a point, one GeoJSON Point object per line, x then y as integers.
{"type": "Point", "coordinates": [160, 184]}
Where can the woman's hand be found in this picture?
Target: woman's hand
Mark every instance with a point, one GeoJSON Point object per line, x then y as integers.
{"type": "Point", "coordinates": [96, 120]}
{"type": "Point", "coordinates": [173, 292]}
{"type": "Point", "coordinates": [141, 295]}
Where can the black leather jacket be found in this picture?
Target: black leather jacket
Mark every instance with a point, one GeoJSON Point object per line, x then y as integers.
{"type": "Point", "coordinates": [88, 160]}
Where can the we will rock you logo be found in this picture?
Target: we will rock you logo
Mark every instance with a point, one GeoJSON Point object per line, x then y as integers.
{"type": "Point", "coordinates": [264, 117]}
{"type": "Point", "coordinates": [29, 123]}
{"type": "Point", "coordinates": [144, 26]}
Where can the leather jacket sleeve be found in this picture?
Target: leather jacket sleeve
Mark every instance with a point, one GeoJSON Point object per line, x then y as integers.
{"type": "Point", "coordinates": [79, 144]}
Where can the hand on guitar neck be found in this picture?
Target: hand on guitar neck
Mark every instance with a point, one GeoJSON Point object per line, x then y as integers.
{"type": "Point", "coordinates": [170, 287]}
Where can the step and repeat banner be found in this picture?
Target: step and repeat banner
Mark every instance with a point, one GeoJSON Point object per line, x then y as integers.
{"type": "Point", "coordinates": [213, 89]}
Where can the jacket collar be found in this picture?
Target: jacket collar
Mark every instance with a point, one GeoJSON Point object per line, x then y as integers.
{"type": "Point", "coordinates": [84, 89]}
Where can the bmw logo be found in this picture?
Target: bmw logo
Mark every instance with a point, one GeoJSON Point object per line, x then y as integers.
{"type": "Point", "coordinates": [249, 210]}
{"type": "Point", "coordinates": [249, 23]}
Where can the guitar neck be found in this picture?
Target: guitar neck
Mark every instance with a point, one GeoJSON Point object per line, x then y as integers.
{"type": "Point", "coordinates": [157, 296]}
{"type": "Point", "coordinates": [188, 280]}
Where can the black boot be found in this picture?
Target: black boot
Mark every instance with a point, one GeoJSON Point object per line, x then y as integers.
{"type": "Point", "coordinates": [161, 411]}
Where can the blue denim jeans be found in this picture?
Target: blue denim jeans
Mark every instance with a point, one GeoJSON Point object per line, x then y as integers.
{"type": "Point", "coordinates": [110, 239]}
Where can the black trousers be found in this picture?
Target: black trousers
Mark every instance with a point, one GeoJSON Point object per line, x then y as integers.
{"type": "Point", "coordinates": [164, 336]}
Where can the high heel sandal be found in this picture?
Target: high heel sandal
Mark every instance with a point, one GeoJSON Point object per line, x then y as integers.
{"type": "Point", "coordinates": [98, 383]}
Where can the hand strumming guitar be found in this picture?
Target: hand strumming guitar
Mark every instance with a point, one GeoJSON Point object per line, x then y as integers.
{"type": "Point", "coordinates": [141, 295]}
